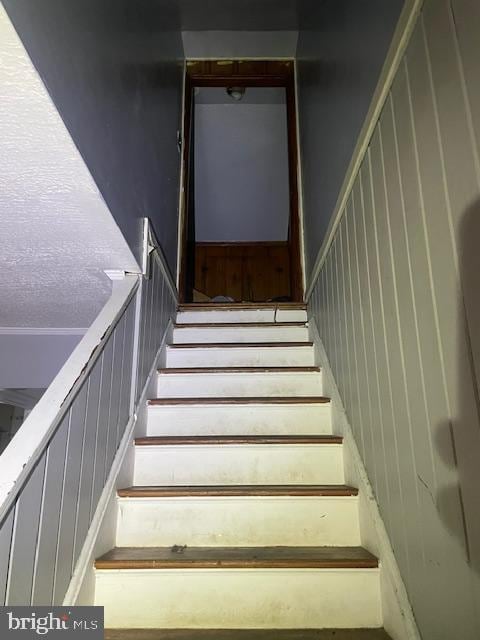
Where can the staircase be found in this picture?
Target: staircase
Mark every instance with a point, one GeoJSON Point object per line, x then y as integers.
{"type": "Point", "coordinates": [239, 517]}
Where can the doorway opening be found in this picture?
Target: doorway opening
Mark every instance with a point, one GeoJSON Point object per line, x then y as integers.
{"type": "Point", "coordinates": [240, 233]}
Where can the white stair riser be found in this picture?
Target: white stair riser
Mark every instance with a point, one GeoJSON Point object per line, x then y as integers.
{"type": "Point", "coordinates": [242, 315]}
{"type": "Point", "coordinates": [241, 357]}
{"type": "Point", "coordinates": [237, 419]}
{"type": "Point", "coordinates": [238, 521]}
{"type": "Point", "coordinates": [211, 385]}
{"type": "Point", "coordinates": [240, 598]}
{"type": "Point", "coordinates": [186, 335]}
{"type": "Point", "coordinates": [238, 464]}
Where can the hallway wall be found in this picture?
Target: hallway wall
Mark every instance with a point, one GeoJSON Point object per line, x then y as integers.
{"type": "Point", "coordinates": [114, 72]}
{"type": "Point", "coordinates": [241, 166]}
{"type": "Point", "coordinates": [397, 305]}
{"type": "Point", "coordinates": [339, 60]}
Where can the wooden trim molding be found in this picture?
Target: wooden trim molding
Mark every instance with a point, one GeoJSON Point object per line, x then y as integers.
{"type": "Point", "coordinates": [158, 402]}
{"type": "Point", "coordinates": [237, 558]}
{"type": "Point", "coordinates": [228, 491]}
{"type": "Point", "coordinates": [237, 345]}
{"type": "Point", "coordinates": [223, 370]}
{"type": "Point", "coordinates": [156, 441]}
{"type": "Point", "coordinates": [257, 73]}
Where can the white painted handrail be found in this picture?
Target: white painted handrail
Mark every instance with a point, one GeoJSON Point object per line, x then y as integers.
{"type": "Point", "coordinates": [26, 447]}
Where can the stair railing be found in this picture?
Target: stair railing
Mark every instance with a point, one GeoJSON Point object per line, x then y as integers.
{"type": "Point", "coordinates": [54, 470]}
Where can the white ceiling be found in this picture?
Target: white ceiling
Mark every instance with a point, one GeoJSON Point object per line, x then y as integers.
{"type": "Point", "coordinates": [56, 232]}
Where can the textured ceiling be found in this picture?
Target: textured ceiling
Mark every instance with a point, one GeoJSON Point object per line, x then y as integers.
{"type": "Point", "coordinates": [56, 233]}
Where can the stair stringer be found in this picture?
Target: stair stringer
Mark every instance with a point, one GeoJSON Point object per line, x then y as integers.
{"type": "Point", "coordinates": [398, 616]}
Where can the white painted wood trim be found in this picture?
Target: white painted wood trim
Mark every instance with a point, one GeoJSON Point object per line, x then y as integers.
{"type": "Point", "coordinates": [86, 557]}
{"type": "Point", "coordinates": [399, 619]}
{"type": "Point", "coordinates": [43, 331]}
{"type": "Point", "coordinates": [403, 32]}
{"type": "Point", "coordinates": [301, 217]}
{"type": "Point", "coordinates": [181, 190]}
{"type": "Point", "coordinates": [28, 444]}
{"type": "Point", "coordinates": [155, 251]}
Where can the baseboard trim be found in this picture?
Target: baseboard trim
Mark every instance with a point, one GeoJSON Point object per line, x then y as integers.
{"type": "Point", "coordinates": [86, 557]}
{"type": "Point", "coordinates": [400, 624]}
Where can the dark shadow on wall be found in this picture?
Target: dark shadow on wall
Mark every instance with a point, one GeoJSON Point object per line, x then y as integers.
{"type": "Point", "coordinates": [114, 71]}
{"type": "Point", "coordinates": [459, 503]}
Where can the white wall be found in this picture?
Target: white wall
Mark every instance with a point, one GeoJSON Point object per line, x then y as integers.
{"type": "Point", "coordinates": [56, 233]}
{"type": "Point", "coordinates": [114, 71]}
{"type": "Point", "coordinates": [32, 361]}
{"type": "Point", "coordinates": [241, 166]}
{"type": "Point", "coordinates": [398, 309]}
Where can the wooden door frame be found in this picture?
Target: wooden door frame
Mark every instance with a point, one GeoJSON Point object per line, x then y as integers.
{"type": "Point", "coordinates": [246, 73]}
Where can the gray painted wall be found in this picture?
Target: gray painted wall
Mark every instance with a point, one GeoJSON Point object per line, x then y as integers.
{"type": "Point", "coordinates": [398, 309]}
{"type": "Point", "coordinates": [339, 64]}
{"type": "Point", "coordinates": [114, 71]}
{"type": "Point", "coordinates": [32, 361]}
{"type": "Point", "coordinates": [241, 166]}
{"type": "Point", "coordinates": [240, 44]}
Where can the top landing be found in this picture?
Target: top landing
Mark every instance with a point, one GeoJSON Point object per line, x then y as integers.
{"type": "Point", "coordinates": [255, 312]}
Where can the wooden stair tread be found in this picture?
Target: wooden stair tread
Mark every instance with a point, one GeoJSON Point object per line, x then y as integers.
{"type": "Point", "coordinates": [236, 345]}
{"type": "Point", "coordinates": [235, 439]}
{"type": "Point", "coordinates": [238, 325]}
{"type": "Point", "coordinates": [239, 370]}
{"type": "Point", "coordinates": [228, 491]}
{"type": "Point", "coordinates": [240, 400]}
{"type": "Point", "coordinates": [237, 557]}
{"type": "Point", "coordinates": [235, 306]}
{"type": "Point", "coordinates": [246, 634]}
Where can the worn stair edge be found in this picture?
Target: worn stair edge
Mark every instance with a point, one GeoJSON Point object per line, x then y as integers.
{"type": "Point", "coordinates": [246, 634]}
{"type": "Point", "coordinates": [156, 441]}
{"type": "Point", "coordinates": [239, 325]}
{"type": "Point", "coordinates": [226, 370]}
{"type": "Point", "coordinates": [237, 558]}
{"type": "Point", "coordinates": [229, 491]}
{"type": "Point", "coordinates": [240, 400]}
{"type": "Point", "coordinates": [237, 345]}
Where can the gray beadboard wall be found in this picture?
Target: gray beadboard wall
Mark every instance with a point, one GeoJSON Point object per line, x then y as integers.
{"type": "Point", "coordinates": [397, 303]}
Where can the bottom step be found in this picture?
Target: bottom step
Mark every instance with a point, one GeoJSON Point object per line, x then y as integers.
{"type": "Point", "coordinates": [246, 634]}
{"type": "Point", "coordinates": [239, 588]}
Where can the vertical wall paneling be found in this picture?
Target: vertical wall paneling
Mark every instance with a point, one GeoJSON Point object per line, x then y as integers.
{"type": "Point", "coordinates": [343, 310]}
{"type": "Point", "coordinates": [358, 288]}
{"type": "Point", "coordinates": [465, 16]}
{"type": "Point", "coordinates": [397, 306]}
{"type": "Point", "coordinates": [66, 531]}
{"type": "Point", "coordinates": [42, 536]}
{"type": "Point", "coordinates": [125, 360]}
{"type": "Point", "coordinates": [127, 369]}
{"type": "Point", "coordinates": [25, 534]}
{"type": "Point", "coordinates": [103, 422]}
{"type": "Point", "coordinates": [5, 546]}
{"type": "Point", "coordinates": [460, 150]}
{"type": "Point", "coordinates": [367, 287]}
{"type": "Point", "coordinates": [83, 515]}
{"type": "Point", "coordinates": [100, 434]}
{"type": "Point", "coordinates": [356, 402]}
{"type": "Point", "coordinates": [111, 425]}
{"type": "Point", "coordinates": [42, 592]}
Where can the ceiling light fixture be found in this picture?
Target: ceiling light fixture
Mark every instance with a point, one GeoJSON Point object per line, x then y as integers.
{"type": "Point", "coordinates": [236, 93]}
